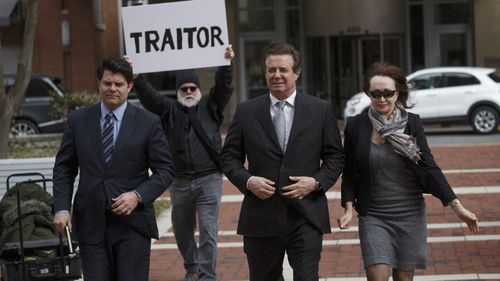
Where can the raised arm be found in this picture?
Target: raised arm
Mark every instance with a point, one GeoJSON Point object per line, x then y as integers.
{"type": "Point", "coordinates": [149, 97]}
{"type": "Point", "coordinates": [221, 92]}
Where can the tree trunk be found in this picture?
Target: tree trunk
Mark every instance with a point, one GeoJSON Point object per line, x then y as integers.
{"type": "Point", "coordinates": [10, 101]}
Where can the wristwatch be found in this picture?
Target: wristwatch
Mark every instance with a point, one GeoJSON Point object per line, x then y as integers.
{"type": "Point", "coordinates": [317, 185]}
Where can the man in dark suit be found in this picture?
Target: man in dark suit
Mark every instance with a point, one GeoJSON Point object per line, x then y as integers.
{"type": "Point", "coordinates": [112, 144]}
{"type": "Point", "coordinates": [294, 152]}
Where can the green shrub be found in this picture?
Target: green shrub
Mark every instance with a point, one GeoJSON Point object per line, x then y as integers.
{"type": "Point", "coordinates": [63, 105]}
{"type": "Point", "coordinates": [160, 205]}
{"type": "Point", "coordinates": [23, 152]}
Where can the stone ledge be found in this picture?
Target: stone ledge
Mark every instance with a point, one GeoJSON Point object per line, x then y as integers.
{"type": "Point", "coordinates": [38, 140]}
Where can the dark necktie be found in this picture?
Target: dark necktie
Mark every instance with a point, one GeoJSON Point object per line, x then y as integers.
{"type": "Point", "coordinates": [107, 137]}
{"type": "Point", "coordinates": [280, 123]}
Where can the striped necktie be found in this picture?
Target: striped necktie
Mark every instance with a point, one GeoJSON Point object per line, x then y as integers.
{"type": "Point", "coordinates": [280, 123]}
{"type": "Point", "coordinates": [107, 137]}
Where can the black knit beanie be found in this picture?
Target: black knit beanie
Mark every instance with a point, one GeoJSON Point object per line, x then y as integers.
{"type": "Point", "coordinates": [186, 76]}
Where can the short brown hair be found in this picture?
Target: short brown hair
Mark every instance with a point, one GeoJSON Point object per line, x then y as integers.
{"type": "Point", "coordinates": [280, 48]}
{"type": "Point", "coordinates": [392, 71]}
{"type": "Point", "coordinates": [117, 66]}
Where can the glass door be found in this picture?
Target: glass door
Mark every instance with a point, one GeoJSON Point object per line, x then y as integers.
{"type": "Point", "coordinates": [453, 49]}
{"type": "Point", "coordinates": [347, 72]}
{"type": "Point", "coordinates": [252, 76]}
{"type": "Point", "coordinates": [369, 53]}
{"type": "Point", "coordinates": [261, 22]}
{"type": "Point", "coordinates": [449, 24]}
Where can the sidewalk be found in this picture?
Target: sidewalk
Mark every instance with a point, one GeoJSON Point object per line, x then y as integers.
{"type": "Point", "coordinates": [453, 252]}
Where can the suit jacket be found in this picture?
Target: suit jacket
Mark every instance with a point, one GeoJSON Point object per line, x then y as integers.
{"type": "Point", "coordinates": [140, 145]}
{"type": "Point", "coordinates": [357, 179]}
{"type": "Point", "coordinates": [314, 149]}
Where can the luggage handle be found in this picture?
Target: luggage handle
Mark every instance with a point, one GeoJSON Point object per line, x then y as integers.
{"type": "Point", "coordinates": [18, 175]}
{"type": "Point", "coordinates": [70, 241]}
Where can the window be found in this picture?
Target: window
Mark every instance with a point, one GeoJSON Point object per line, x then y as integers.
{"type": "Point", "coordinates": [453, 13]}
{"type": "Point", "coordinates": [255, 76]}
{"type": "Point", "coordinates": [255, 4]}
{"type": "Point", "coordinates": [370, 52]}
{"type": "Point", "coordinates": [319, 71]}
{"type": "Point", "coordinates": [257, 15]}
{"type": "Point", "coordinates": [494, 77]}
{"type": "Point", "coordinates": [427, 81]}
{"type": "Point", "coordinates": [460, 79]}
{"type": "Point", "coordinates": [417, 53]}
{"type": "Point", "coordinates": [293, 27]}
{"type": "Point", "coordinates": [392, 50]}
{"type": "Point", "coordinates": [453, 49]}
{"type": "Point", "coordinates": [37, 88]}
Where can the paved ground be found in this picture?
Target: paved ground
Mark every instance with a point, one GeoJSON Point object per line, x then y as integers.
{"type": "Point", "coordinates": [453, 252]}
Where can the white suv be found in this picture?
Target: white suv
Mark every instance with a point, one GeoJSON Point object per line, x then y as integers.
{"type": "Point", "coordinates": [449, 95]}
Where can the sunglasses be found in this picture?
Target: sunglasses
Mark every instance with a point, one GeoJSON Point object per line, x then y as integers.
{"type": "Point", "coordinates": [379, 94]}
{"type": "Point", "coordinates": [185, 89]}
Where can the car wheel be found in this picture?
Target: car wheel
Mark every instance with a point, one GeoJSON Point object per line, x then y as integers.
{"type": "Point", "coordinates": [23, 127]}
{"type": "Point", "coordinates": [484, 120]}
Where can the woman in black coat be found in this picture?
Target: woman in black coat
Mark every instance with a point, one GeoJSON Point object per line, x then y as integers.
{"type": "Point", "coordinates": [388, 168]}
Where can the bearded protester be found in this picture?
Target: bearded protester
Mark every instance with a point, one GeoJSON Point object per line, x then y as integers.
{"type": "Point", "coordinates": [192, 126]}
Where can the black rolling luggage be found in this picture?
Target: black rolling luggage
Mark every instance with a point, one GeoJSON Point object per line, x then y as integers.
{"type": "Point", "coordinates": [46, 259]}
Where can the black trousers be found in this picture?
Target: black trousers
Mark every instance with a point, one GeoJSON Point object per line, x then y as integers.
{"type": "Point", "coordinates": [123, 256]}
{"type": "Point", "coordinates": [303, 245]}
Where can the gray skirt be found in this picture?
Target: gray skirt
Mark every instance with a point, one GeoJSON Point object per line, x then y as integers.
{"type": "Point", "coordinates": [394, 230]}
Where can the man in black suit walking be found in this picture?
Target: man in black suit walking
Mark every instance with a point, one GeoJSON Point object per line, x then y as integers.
{"type": "Point", "coordinates": [294, 152]}
{"type": "Point", "coordinates": [112, 144]}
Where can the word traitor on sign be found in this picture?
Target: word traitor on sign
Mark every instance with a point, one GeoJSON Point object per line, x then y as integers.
{"type": "Point", "coordinates": [196, 38]}
{"type": "Point", "coordinates": [177, 35]}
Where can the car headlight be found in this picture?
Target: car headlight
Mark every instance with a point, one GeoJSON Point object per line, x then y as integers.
{"type": "Point", "coordinates": [350, 111]}
{"type": "Point", "coordinates": [353, 101]}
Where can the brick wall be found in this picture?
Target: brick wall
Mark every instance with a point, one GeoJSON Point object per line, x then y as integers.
{"type": "Point", "coordinates": [77, 63]}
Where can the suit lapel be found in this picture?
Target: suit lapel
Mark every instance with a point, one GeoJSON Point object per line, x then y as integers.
{"type": "Point", "coordinates": [263, 115]}
{"type": "Point", "coordinates": [300, 117]}
{"type": "Point", "coordinates": [93, 124]}
{"type": "Point", "coordinates": [364, 140]}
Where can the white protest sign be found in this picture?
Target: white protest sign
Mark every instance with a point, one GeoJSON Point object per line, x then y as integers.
{"type": "Point", "coordinates": [177, 35]}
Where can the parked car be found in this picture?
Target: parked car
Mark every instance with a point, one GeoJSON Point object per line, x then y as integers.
{"type": "Point", "coordinates": [33, 116]}
{"type": "Point", "coordinates": [449, 95]}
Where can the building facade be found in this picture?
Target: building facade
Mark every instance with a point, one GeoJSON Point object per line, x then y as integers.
{"type": "Point", "coordinates": [71, 39]}
{"type": "Point", "coordinates": [338, 40]}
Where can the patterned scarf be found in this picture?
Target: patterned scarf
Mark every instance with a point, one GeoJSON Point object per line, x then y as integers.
{"type": "Point", "coordinates": [392, 130]}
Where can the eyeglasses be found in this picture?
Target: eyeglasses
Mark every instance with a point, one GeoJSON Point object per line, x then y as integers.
{"type": "Point", "coordinates": [379, 94]}
{"type": "Point", "coordinates": [185, 89]}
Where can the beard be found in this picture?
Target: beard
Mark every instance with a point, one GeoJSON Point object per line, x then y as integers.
{"type": "Point", "coordinates": [188, 101]}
